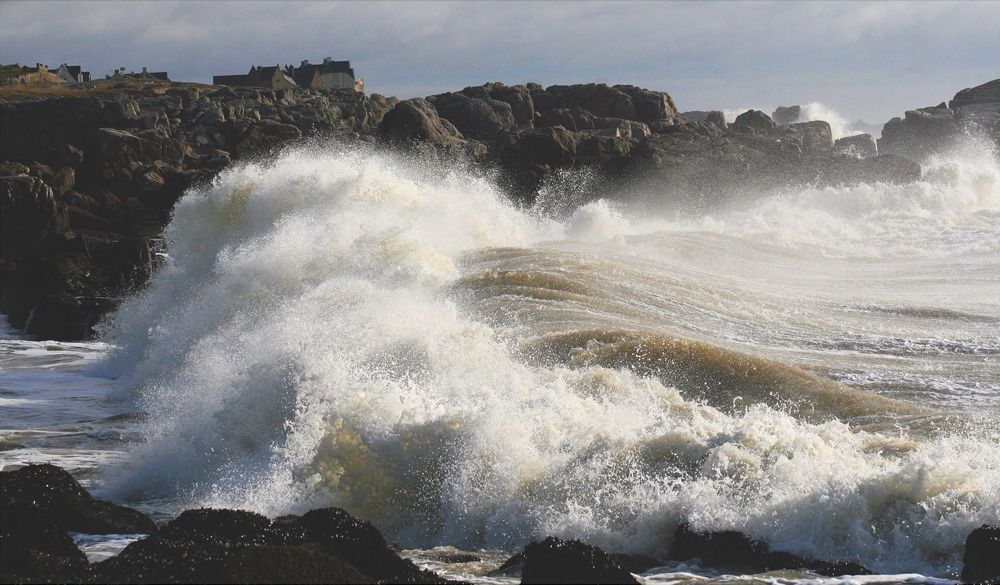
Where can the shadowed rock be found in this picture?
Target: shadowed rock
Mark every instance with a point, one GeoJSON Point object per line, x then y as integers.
{"type": "Point", "coordinates": [981, 561]}
{"type": "Point", "coordinates": [571, 561]}
{"type": "Point", "coordinates": [49, 488]}
{"type": "Point", "coordinates": [733, 551]}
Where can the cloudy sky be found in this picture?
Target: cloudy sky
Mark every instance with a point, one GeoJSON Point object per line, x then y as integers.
{"type": "Point", "coordinates": [864, 59]}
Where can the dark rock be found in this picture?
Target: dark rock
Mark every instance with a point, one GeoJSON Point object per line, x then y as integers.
{"type": "Point", "coordinates": [557, 561]}
{"type": "Point", "coordinates": [35, 547]}
{"type": "Point", "coordinates": [733, 551]}
{"type": "Point", "coordinates": [223, 545]}
{"type": "Point", "coordinates": [859, 146]}
{"type": "Point", "coordinates": [637, 563]}
{"type": "Point", "coordinates": [620, 101]}
{"type": "Point", "coordinates": [263, 136]}
{"type": "Point", "coordinates": [988, 92]}
{"type": "Point", "coordinates": [753, 121]}
{"type": "Point", "coordinates": [920, 133]}
{"type": "Point", "coordinates": [476, 118]}
{"type": "Point", "coordinates": [49, 488]}
{"type": "Point", "coordinates": [28, 213]}
{"type": "Point", "coordinates": [811, 137]}
{"type": "Point", "coordinates": [786, 114]}
{"type": "Point", "coordinates": [981, 561]}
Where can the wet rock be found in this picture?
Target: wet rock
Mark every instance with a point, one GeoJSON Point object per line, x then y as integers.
{"type": "Point", "coordinates": [858, 146]}
{"type": "Point", "coordinates": [28, 213]}
{"type": "Point", "coordinates": [35, 547]}
{"type": "Point", "coordinates": [753, 122]}
{"type": "Point", "coordinates": [786, 114]}
{"type": "Point", "coordinates": [811, 137]}
{"type": "Point", "coordinates": [571, 561]}
{"type": "Point", "coordinates": [263, 136]}
{"type": "Point", "coordinates": [49, 488]}
{"type": "Point", "coordinates": [416, 119]}
{"type": "Point", "coordinates": [476, 118]}
{"type": "Point", "coordinates": [732, 551]}
{"type": "Point", "coordinates": [981, 560]}
{"type": "Point", "coordinates": [326, 545]}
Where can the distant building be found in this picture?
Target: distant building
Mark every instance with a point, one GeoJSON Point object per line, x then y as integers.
{"type": "Point", "coordinates": [334, 74]}
{"type": "Point", "coordinates": [329, 74]}
{"type": "Point", "coordinates": [71, 73]}
{"type": "Point", "coordinates": [37, 75]}
{"type": "Point", "coordinates": [144, 74]}
{"type": "Point", "coordinates": [276, 77]}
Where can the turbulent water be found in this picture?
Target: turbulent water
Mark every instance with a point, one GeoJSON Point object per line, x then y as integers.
{"type": "Point", "coordinates": [818, 368]}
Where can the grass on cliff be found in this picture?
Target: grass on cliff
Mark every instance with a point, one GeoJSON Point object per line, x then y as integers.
{"type": "Point", "coordinates": [100, 88]}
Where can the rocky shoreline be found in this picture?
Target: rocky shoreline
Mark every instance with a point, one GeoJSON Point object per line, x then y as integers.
{"type": "Point", "coordinates": [42, 504]}
{"type": "Point", "coordinates": [87, 182]}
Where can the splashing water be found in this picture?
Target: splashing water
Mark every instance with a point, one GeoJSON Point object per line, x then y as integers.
{"type": "Point", "coordinates": [354, 329]}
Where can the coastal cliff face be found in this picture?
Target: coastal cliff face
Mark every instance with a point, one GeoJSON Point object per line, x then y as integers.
{"type": "Point", "coordinates": [87, 182]}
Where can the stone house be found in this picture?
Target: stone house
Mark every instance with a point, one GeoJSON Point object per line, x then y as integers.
{"type": "Point", "coordinates": [334, 74]}
{"type": "Point", "coordinates": [276, 77]}
{"type": "Point", "coordinates": [144, 74]}
{"type": "Point", "coordinates": [71, 73]}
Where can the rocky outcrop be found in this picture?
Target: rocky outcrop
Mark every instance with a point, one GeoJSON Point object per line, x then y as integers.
{"type": "Point", "coordinates": [734, 552]}
{"type": "Point", "coordinates": [565, 561]}
{"type": "Point", "coordinates": [926, 131]}
{"type": "Point", "coordinates": [87, 183]}
{"type": "Point", "coordinates": [981, 561]}
{"type": "Point", "coordinates": [53, 491]}
{"type": "Point", "coordinates": [42, 503]}
{"type": "Point", "coordinates": [786, 114]}
{"type": "Point", "coordinates": [859, 146]}
{"type": "Point", "coordinates": [229, 546]}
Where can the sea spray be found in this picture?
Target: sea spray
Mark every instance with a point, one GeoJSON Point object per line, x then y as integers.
{"type": "Point", "coordinates": [354, 329]}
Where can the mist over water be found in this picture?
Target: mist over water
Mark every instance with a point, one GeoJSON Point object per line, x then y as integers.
{"type": "Point", "coordinates": [819, 368]}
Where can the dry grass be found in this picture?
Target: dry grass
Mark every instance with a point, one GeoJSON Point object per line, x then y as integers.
{"type": "Point", "coordinates": [100, 88]}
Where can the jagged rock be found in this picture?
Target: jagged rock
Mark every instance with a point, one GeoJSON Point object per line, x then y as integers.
{"type": "Point", "coordinates": [620, 101]}
{"type": "Point", "coordinates": [476, 118]}
{"type": "Point", "coordinates": [263, 136]}
{"type": "Point", "coordinates": [919, 133]}
{"type": "Point", "coordinates": [733, 551]}
{"type": "Point", "coordinates": [28, 213]}
{"type": "Point", "coordinates": [49, 488]}
{"type": "Point", "coordinates": [517, 96]}
{"type": "Point", "coordinates": [35, 548]}
{"type": "Point", "coordinates": [753, 122]}
{"type": "Point", "coordinates": [859, 146]}
{"type": "Point", "coordinates": [416, 119]}
{"type": "Point", "coordinates": [811, 137]}
{"type": "Point", "coordinates": [207, 545]}
{"type": "Point", "coordinates": [786, 114]}
{"type": "Point", "coordinates": [981, 560]}
{"type": "Point", "coordinates": [557, 561]}
{"type": "Point", "coordinates": [988, 92]}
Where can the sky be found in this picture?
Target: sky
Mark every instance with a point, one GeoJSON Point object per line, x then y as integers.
{"type": "Point", "coordinates": [869, 60]}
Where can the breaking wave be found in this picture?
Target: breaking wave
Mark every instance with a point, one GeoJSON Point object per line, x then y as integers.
{"type": "Point", "coordinates": [355, 329]}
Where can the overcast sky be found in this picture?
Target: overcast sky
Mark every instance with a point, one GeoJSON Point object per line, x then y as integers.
{"type": "Point", "coordinates": [865, 60]}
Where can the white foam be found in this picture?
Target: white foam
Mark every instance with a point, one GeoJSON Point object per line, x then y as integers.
{"type": "Point", "coordinates": [302, 347]}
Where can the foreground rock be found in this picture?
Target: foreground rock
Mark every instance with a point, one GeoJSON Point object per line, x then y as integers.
{"type": "Point", "coordinates": [924, 132]}
{"type": "Point", "coordinates": [736, 553]}
{"type": "Point", "coordinates": [53, 491]}
{"type": "Point", "coordinates": [229, 546]}
{"type": "Point", "coordinates": [565, 561]}
{"type": "Point", "coordinates": [982, 556]}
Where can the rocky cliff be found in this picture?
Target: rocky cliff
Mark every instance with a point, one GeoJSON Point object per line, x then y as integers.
{"type": "Point", "coordinates": [87, 182]}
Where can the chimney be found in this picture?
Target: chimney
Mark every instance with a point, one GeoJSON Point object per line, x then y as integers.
{"type": "Point", "coordinates": [304, 62]}
{"type": "Point", "coordinates": [144, 70]}
{"type": "Point", "coordinates": [327, 59]}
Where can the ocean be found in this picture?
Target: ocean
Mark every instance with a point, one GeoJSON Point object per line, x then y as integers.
{"type": "Point", "coordinates": [818, 368]}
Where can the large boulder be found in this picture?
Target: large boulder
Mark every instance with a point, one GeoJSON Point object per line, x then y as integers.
{"type": "Point", "coordinates": [483, 119]}
{"type": "Point", "coordinates": [858, 146]}
{"type": "Point", "coordinates": [981, 561]}
{"type": "Point", "coordinates": [786, 114]}
{"type": "Point", "coordinates": [230, 546]}
{"type": "Point", "coordinates": [265, 135]}
{"type": "Point", "coordinates": [570, 561]}
{"type": "Point", "coordinates": [620, 101]}
{"type": "Point", "coordinates": [920, 133]}
{"type": "Point", "coordinates": [978, 108]}
{"type": "Point", "coordinates": [733, 551]}
{"type": "Point", "coordinates": [811, 137]}
{"type": "Point", "coordinates": [753, 122]}
{"type": "Point", "coordinates": [35, 548]}
{"type": "Point", "coordinates": [49, 488]}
